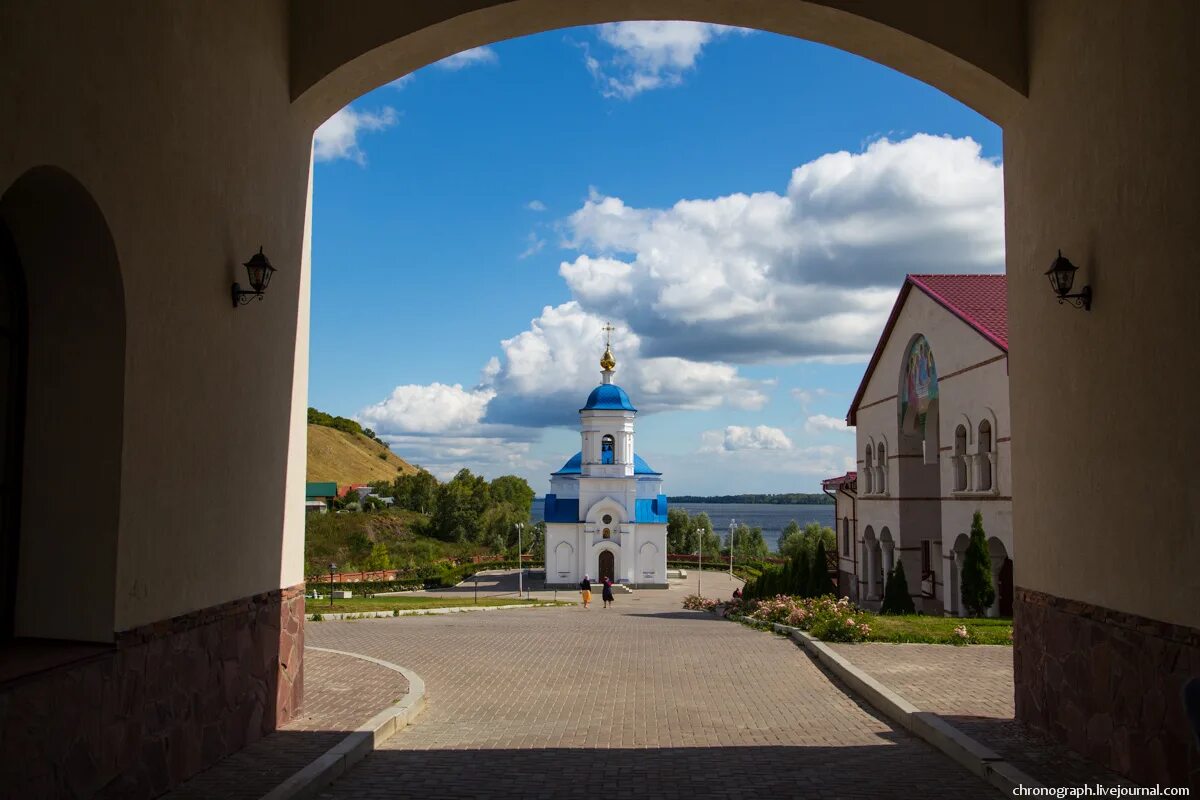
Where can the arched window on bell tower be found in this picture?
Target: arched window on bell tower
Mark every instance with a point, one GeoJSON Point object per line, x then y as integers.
{"type": "Point", "coordinates": [607, 448]}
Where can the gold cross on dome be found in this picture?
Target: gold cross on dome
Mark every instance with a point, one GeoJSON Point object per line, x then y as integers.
{"type": "Point", "coordinates": [608, 329]}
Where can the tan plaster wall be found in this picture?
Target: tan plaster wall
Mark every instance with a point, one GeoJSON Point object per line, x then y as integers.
{"type": "Point", "coordinates": [178, 120]}
{"type": "Point", "coordinates": [176, 117]}
{"type": "Point", "coordinates": [1101, 163]}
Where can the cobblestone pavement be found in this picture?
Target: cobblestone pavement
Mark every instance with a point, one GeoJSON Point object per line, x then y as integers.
{"type": "Point", "coordinates": [340, 693]}
{"type": "Point", "coordinates": [643, 699]}
{"type": "Point", "coordinates": [972, 688]}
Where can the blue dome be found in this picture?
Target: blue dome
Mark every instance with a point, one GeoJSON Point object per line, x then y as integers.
{"type": "Point", "coordinates": [574, 466]}
{"type": "Point", "coordinates": [608, 397]}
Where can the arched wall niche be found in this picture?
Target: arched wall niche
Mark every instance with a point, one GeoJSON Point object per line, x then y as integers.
{"type": "Point", "coordinates": [975, 52]}
{"type": "Point", "coordinates": [75, 389]}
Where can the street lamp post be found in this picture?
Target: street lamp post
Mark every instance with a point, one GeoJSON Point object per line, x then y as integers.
{"type": "Point", "coordinates": [700, 570]}
{"type": "Point", "coordinates": [520, 563]}
{"type": "Point", "coordinates": [332, 569]}
{"type": "Point", "coordinates": [732, 528]}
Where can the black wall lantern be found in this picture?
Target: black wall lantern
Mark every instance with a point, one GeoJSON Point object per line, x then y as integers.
{"type": "Point", "coordinates": [259, 270]}
{"type": "Point", "coordinates": [1062, 276]}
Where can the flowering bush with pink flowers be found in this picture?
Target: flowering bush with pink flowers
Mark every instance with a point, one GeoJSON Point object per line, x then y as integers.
{"type": "Point", "coordinates": [694, 602]}
{"type": "Point", "coordinates": [825, 617]}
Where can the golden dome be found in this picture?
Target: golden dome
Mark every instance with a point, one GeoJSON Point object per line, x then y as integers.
{"type": "Point", "coordinates": [607, 362]}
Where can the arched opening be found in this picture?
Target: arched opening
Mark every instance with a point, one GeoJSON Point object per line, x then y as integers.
{"type": "Point", "coordinates": [868, 471]}
{"type": "Point", "coordinates": [960, 458]}
{"type": "Point", "coordinates": [13, 321]}
{"type": "Point", "coordinates": [607, 566]}
{"type": "Point", "coordinates": [881, 469]}
{"type": "Point", "coordinates": [74, 403]}
{"type": "Point", "coordinates": [607, 449]}
{"type": "Point", "coordinates": [957, 556]}
{"type": "Point", "coordinates": [985, 456]}
{"type": "Point", "coordinates": [1001, 578]}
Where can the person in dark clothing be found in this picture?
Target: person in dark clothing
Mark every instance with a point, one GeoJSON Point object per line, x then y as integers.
{"type": "Point", "coordinates": [607, 593]}
{"type": "Point", "coordinates": [585, 591]}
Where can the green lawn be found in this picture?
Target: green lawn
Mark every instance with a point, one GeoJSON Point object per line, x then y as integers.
{"type": "Point", "coordinates": [356, 605]}
{"type": "Point", "coordinates": [936, 630]}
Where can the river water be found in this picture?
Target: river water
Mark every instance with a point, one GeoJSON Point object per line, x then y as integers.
{"type": "Point", "coordinates": [771, 518]}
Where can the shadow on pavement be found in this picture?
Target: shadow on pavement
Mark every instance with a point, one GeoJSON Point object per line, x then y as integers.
{"type": "Point", "coordinates": [884, 770]}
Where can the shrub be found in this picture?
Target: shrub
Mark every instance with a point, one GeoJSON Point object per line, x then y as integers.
{"type": "Point", "coordinates": [896, 599]}
{"type": "Point", "coordinates": [824, 617]}
{"type": "Point", "coordinates": [978, 594]}
{"type": "Point", "coordinates": [395, 612]}
{"type": "Point", "coordinates": [316, 618]}
{"type": "Point", "coordinates": [694, 602]}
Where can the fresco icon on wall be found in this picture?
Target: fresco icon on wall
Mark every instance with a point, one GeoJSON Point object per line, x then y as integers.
{"type": "Point", "coordinates": [919, 388]}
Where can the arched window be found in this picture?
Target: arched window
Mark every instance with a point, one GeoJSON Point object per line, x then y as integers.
{"type": "Point", "coordinates": [960, 458]}
{"type": "Point", "coordinates": [985, 456]}
{"type": "Point", "coordinates": [607, 446]}
{"type": "Point", "coordinates": [881, 470]}
{"type": "Point", "coordinates": [868, 468]}
{"type": "Point", "coordinates": [846, 535]}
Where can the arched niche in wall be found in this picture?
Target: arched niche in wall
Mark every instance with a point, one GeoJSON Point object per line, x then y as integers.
{"type": "Point", "coordinates": [70, 476]}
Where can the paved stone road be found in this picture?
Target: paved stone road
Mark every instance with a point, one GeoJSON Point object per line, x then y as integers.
{"type": "Point", "coordinates": [972, 687]}
{"type": "Point", "coordinates": [640, 700]}
{"type": "Point", "coordinates": [340, 693]}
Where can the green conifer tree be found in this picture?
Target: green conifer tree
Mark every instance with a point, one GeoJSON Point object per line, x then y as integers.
{"type": "Point", "coordinates": [819, 583]}
{"type": "Point", "coordinates": [896, 599]}
{"type": "Point", "coordinates": [978, 593]}
{"type": "Point", "coordinates": [799, 584]}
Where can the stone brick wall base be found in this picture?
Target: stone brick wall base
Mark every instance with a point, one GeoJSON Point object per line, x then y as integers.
{"type": "Point", "coordinates": [168, 700]}
{"type": "Point", "coordinates": [1108, 684]}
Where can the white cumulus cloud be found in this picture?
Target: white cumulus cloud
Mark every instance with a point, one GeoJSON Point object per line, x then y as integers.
{"type": "Point", "coordinates": [641, 56]}
{"type": "Point", "coordinates": [433, 408]}
{"type": "Point", "coordinates": [809, 274]}
{"type": "Point", "coordinates": [739, 437]}
{"type": "Point", "coordinates": [536, 205]}
{"type": "Point", "coordinates": [338, 136]}
{"type": "Point", "coordinates": [820, 423]}
{"type": "Point", "coordinates": [469, 58]}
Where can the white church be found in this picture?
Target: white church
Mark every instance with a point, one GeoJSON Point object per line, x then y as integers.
{"type": "Point", "coordinates": [605, 514]}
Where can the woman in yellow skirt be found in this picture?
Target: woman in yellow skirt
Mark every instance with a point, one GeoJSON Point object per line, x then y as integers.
{"type": "Point", "coordinates": [585, 591]}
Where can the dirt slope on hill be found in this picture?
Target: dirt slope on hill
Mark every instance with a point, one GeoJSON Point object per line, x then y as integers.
{"type": "Point", "coordinates": [346, 458]}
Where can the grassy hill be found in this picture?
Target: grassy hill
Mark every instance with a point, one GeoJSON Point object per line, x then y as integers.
{"type": "Point", "coordinates": [344, 457]}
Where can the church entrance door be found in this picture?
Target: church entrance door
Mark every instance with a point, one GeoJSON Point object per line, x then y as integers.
{"type": "Point", "coordinates": [608, 566]}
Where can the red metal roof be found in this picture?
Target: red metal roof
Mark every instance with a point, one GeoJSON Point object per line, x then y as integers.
{"type": "Point", "coordinates": [849, 477]}
{"type": "Point", "coordinates": [981, 301]}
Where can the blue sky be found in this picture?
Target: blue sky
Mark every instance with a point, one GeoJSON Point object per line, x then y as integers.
{"type": "Point", "coordinates": [741, 206]}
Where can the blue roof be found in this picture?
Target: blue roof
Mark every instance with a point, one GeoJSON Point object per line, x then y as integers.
{"type": "Point", "coordinates": [608, 397]}
{"type": "Point", "coordinates": [574, 466]}
{"type": "Point", "coordinates": [567, 510]}
{"type": "Point", "coordinates": [651, 510]}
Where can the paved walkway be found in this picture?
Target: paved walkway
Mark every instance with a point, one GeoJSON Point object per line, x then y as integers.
{"type": "Point", "coordinates": [643, 699]}
{"type": "Point", "coordinates": [972, 688]}
{"type": "Point", "coordinates": [340, 693]}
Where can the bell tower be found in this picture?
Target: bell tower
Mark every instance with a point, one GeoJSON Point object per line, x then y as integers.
{"type": "Point", "coordinates": [606, 423]}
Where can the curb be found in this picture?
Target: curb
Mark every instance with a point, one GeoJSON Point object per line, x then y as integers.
{"type": "Point", "coordinates": [926, 725]}
{"type": "Point", "coordinates": [360, 742]}
{"type": "Point", "coordinates": [419, 613]}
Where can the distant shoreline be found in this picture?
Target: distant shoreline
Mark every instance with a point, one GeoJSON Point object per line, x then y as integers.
{"type": "Point", "coordinates": [763, 499]}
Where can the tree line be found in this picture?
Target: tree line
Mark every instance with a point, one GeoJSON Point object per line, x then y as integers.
{"type": "Point", "coordinates": [343, 424]}
{"type": "Point", "coordinates": [685, 532]}
{"type": "Point", "coordinates": [795, 498]}
{"type": "Point", "coordinates": [468, 508]}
